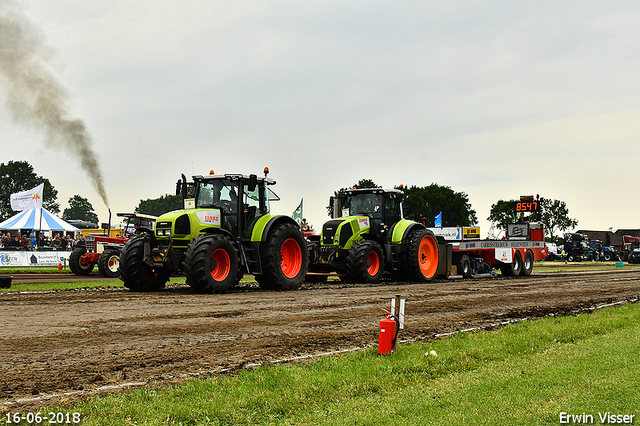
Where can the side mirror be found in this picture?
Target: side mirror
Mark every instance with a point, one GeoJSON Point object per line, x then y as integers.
{"type": "Point", "coordinates": [253, 182]}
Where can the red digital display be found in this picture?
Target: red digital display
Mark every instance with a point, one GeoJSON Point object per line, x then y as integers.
{"type": "Point", "coordinates": [526, 206]}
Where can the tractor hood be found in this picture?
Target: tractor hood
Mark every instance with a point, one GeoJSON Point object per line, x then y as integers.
{"type": "Point", "coordinates": [185, 223]}
{"type": "Point", "coordinates": [344, 231]}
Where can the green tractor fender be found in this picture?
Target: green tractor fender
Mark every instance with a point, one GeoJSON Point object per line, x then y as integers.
{"type": "Point", "coordinates": [402, 229]}
{"type": "Point", "coordinates": [263, 226]}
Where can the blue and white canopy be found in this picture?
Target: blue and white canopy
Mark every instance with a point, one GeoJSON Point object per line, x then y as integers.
{"type": "Point", "coordinates": [38, 220]}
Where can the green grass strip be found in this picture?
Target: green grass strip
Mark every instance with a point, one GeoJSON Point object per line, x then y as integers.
{"type": "Point", "coordinates": [524, 374]}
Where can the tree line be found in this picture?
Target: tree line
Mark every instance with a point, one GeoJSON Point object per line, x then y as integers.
{"type": "Point", "coordinates": [421, 204]}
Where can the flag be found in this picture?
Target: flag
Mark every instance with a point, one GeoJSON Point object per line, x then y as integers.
{"type": "Point", "coordinates": [297, 214]}
{"type": "Point", "coordinates": [25, 200]}
{"type": "Point", "coordinates": [439, 220]}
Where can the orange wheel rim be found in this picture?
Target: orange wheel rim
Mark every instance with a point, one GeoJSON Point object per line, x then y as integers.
{"type": "Point", "coordinates": [428, 256]}
{"type": "Point", "coordinates": [290, 258]}
{"type": "Point", "coordinates": [373, 263]}
{"type": "Point", "coordinates": [220, 265]}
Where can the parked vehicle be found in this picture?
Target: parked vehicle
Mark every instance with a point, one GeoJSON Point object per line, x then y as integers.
{"type": "Point", "coordinates": [104, 250]}
{"type": "Point", "coordinates": [576, 247]}
{"type": "Point", "coordinates": [598, 251]}
{"type": "Point", "coordinates": [629, 244]}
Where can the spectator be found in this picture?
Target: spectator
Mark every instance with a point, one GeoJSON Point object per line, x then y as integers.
{"type": "Point", "coordinates": [56, 242]}
{"type": "Point", "coordinates": [80, 242]}
{"type": "Point", "coordinates": [64, 242]}
{"type": "Point", "coordinates": [32, 241]}
{"type": "Point", "coordinates": [24, 243]}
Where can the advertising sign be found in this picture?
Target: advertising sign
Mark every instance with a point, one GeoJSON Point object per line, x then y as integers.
{"type": "Point", "coordinates": [449, 234]}
{"type": "Point", "coordinates": [33, 258]}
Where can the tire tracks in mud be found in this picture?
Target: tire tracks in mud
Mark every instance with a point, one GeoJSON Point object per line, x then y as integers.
{"type": "Point", "coordinates": [74, 342]}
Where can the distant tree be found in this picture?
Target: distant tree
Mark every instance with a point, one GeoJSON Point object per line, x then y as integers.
{"type": "Point", "coordinates": [502, 213]}
{"type": "Point", "coordinates": [429, 201]}
{"type": "Point", "coordinates": [159, 206]}
{"type": "Point", "coordinates": [80, 209]}
{"type": "Point", "coordinates": [17, 176]}
{"type": "Point", "coordinates": [362, 184]}
{"type": "Point", "coordinates": [555, 216]}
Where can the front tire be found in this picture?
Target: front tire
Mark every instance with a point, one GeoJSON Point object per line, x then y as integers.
{"type": "Point", "coordinates": [108, 263]}
{"type": "Point", "coordinates": [285, 259]}
{"type": "Point", "coordinates": [211, 264]}
{"type": "Point", "coordinates": [422, 256]}
{"type": "Point", "coordinates": [134, 273]}
{"type": "Point", "coordinates": [365, 263]}
{"type": "Point", "coordinates": [74, 262]}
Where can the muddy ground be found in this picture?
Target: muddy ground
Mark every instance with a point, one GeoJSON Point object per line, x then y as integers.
{"type": "Point", "coordinates": [68, 345]}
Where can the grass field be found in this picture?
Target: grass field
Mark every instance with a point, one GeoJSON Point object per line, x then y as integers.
{"type": "Point", "coordinates": [531, 373]}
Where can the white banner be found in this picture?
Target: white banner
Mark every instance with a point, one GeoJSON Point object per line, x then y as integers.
{"type": "Point", "coordinates": [33, 258]}
{"type": "Point", "coordinates": [25, 200]}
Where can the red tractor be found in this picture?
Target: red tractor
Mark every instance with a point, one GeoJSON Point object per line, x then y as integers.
{"type": "Point", "coordinates": [104, 250]}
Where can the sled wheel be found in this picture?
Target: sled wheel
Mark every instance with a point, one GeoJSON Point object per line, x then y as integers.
{"type": "Point", "coordinates": [514, 268]}
{"type": "Point", "coordinates": [527, 265]}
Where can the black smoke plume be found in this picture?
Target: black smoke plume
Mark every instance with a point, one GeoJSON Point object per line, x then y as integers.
{"type": "Point", "coordinates": [35, 97]}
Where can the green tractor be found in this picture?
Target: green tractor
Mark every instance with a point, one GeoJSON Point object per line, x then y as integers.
{"type": "Point", "coordinates": [224, 231]}
{"type": "Point", "coordinates": [368, 237]}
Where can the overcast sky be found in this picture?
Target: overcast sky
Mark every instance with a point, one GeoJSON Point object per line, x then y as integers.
{"type": "Point", "coordinates": [495, 99]}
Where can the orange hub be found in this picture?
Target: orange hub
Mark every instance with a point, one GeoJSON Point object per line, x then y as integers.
{"type": "Point", "coordinates": [290, 258]}
{"type": "Point", "coordinates": [220, 265]}
{"type": "Point", "coordinates": [428, 256]}
{"type": "Point", "coordinates": [373, 263]}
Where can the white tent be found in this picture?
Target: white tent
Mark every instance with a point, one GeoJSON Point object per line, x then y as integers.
{"type": "Point", "coordinates": [39, 219]}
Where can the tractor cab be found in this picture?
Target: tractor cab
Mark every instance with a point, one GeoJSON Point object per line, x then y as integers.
{"type": "Point", "coordinates": [235, 201]}
{"type": "Point", "coordinates": [382, 207]}
{"type": "Point", "coordinates": [362, 214]}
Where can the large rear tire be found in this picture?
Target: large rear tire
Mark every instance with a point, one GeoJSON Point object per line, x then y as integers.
{"type": "Point", "coordinates": [285, 258]}
{"type": "Point", "coordinates": [74, 262]}
{"type": "Point", "coordinates": [108, 263]}
{"type": "Point", "coordinates": [422, 256]}
{"type": "Point", "coordinates": [134, 273]}
{"type": "Point", "coordinates": [514, 268]}
{"type": "Point", "coordinates": [365, 263]}
{"type": "Point", "coordinates": [211, 264]}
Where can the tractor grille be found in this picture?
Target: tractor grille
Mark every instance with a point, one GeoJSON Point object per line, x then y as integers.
{"type": "Point", "coordinates": [90, 242]}
{"type": "Point", "coordinates": [329, 231]}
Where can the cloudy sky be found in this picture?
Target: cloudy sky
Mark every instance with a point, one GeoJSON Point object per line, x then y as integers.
{"type": "Point", "coordinates": [496, 99]}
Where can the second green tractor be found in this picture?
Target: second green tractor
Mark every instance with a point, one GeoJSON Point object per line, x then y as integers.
{"type": "Point", "coordinates": [369, 237]}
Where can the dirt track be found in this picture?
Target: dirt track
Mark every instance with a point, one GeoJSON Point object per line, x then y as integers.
{"type": "Point", "coordinates": [78, 341]}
